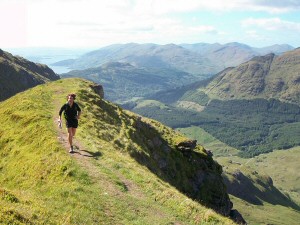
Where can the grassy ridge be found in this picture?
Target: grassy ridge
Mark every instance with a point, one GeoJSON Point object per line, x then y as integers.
{"type": "Point", "coordinates": [41, 184]}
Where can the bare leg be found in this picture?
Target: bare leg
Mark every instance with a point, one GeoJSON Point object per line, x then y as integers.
{"type": "Point", "coordinates": [70, 136]}
{"type": "Point", "coordinates": [73, 131]}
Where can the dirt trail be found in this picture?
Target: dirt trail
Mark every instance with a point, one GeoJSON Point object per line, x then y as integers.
{"type": "Point", "coordinates": [81, 154]}
{"type": "Point", "coordinates": [86, 159]}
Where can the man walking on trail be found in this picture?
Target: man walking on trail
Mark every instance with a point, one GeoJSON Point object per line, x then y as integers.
{"type": "Point", "coordinates": [71, 113]}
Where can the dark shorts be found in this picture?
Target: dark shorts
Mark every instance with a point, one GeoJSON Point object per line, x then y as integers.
{"type": "Point", "coordinates": [72, 123]}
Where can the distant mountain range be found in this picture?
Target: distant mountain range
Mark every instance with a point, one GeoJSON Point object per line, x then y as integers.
{"type": "Point", "coordinates": [268, 76]}
{"type": "Point", "coordinates": [18, 74]}
{"type": "Point", "coordinates": [259, 99]}
{"type": "Point", "coordinates": [197, 59]}
{"type": "Point", "coordinates": [138, 70]}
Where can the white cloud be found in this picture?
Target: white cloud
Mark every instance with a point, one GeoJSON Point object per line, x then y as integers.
{"type": "Point", "coordinates": [81, 23]}
{"type": "Point", "coordinates": [102, 22]}
{"type": "Point", "coordinates": [171, 6]}
{"type": "Point", "coordinates": [275, 24]}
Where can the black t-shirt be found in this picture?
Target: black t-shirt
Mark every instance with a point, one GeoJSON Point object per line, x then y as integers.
{"type": "Point", "coordinates": [70, 112]}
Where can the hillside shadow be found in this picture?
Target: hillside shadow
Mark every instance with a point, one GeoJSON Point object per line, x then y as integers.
{"type": "Point", "coordinates": [192, 173]}
{"type": "Point", "coordinates": [86, 153]}
{"type": "Point", "coordinates": [243, 187]}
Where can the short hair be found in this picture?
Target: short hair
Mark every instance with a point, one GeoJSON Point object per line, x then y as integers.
{"type": "Point", "coordinates": [72, 95]}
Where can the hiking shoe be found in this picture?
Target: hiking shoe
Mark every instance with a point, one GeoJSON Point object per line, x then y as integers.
{"type": "Point", "coordinates": [71, 150]}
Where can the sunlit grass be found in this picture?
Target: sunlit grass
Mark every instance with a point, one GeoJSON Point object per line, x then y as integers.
{"type": "Point", "coordinates": [40, 183]}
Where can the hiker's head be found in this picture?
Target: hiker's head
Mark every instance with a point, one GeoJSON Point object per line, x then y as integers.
{"type": "Point", "coordinates": [71, 97]}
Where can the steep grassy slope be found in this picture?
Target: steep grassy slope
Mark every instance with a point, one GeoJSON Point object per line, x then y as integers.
{"type": "Point", "coordinates": [133, 175]}
{"type": "Point", "coordinates": [18, 74]}
{"type": "Point", "coordinates": [283, 167]}
{"type": "Point", "coordinates": [265, 188]}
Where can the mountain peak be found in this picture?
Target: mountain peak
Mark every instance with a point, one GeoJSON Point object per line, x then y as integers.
{"type": "Point", "coordinates": [267, 76]}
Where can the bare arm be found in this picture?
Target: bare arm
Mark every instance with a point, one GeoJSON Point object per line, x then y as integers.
{"type": "Point", "coordinates": [78, 115]}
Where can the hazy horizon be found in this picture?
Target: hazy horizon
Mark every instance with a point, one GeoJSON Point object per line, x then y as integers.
{"type": "Point", "coordinates": [95, 24]}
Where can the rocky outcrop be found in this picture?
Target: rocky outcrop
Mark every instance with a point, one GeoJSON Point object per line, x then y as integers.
{"type": "Point", "coordinates": [18, 74]}
{"type": "Point", "coordinates": [187, 146]}
{"type": "Point", "coordinates": [98, 89]}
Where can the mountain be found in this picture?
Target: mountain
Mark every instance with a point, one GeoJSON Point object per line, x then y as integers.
{"type": "Point", "coordinates": [197, 59]}
{"type": "Point", "coordinates": [276, 49]}
{"type": "Point", "coordinates": [253, 107]}
{"type": "Point", "coordinates": [18, 74]}
{"type": "Point", "coordinates": [267, 77]}
{"type": "Point", "coordinates": [262, 198]}
{"type": "Point", "coordinates": [238, 48]}
{"type": "Point", "coordinates": [123, 82]}
{"type": "Point", "coordinates": [132, 71]}
{"type": "Point", "coordinates": [145, 55]}
{"type": "Point", "coordinates": [126, 170]}
{"type": "Point", "coordinates": [223, 56]}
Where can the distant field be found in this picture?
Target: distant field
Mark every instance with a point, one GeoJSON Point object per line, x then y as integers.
{"type": "Point", "coordinates": [208, 141]}
{"type": "Point", "coordinates": [266, 214]}
{"type": "Point", "coordinates": [283, 167]}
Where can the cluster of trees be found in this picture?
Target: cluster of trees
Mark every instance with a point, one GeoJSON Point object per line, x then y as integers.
{"type": "Point", "coordinates": [252, 126]}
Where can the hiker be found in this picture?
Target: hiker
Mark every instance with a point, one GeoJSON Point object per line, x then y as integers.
{"type": "Point", "coordinates": [71, 113]}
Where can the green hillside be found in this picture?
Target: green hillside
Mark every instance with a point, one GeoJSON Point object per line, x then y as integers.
{"type": "Point", "coordinates": [266, 77]}
{"type": "Point", "coordinates": [251, 126]}
{"type": "Point", "coordinates": [126, 169]}
{"type": "Point", "coordinates": [264, 188]}
{"type": "Point", "coordinates": [18, 74]}
{"type": "Point", "coordinates": [253, 107]}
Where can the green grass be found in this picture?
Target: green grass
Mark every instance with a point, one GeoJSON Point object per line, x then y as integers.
{"type": "Point", "coordinates": [266, 213]}
{"type": "Point", "coordinates": [263, 203]}
{"type": "Point", "coordinates": [40, 183]}
{"type": "Point", "coordinates": [286, 177]}
{"type": "Point", "coordinates": [281, 166]}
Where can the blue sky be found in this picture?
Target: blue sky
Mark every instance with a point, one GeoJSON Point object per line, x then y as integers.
{"type": "Point", "coordinates": [97, 23]}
